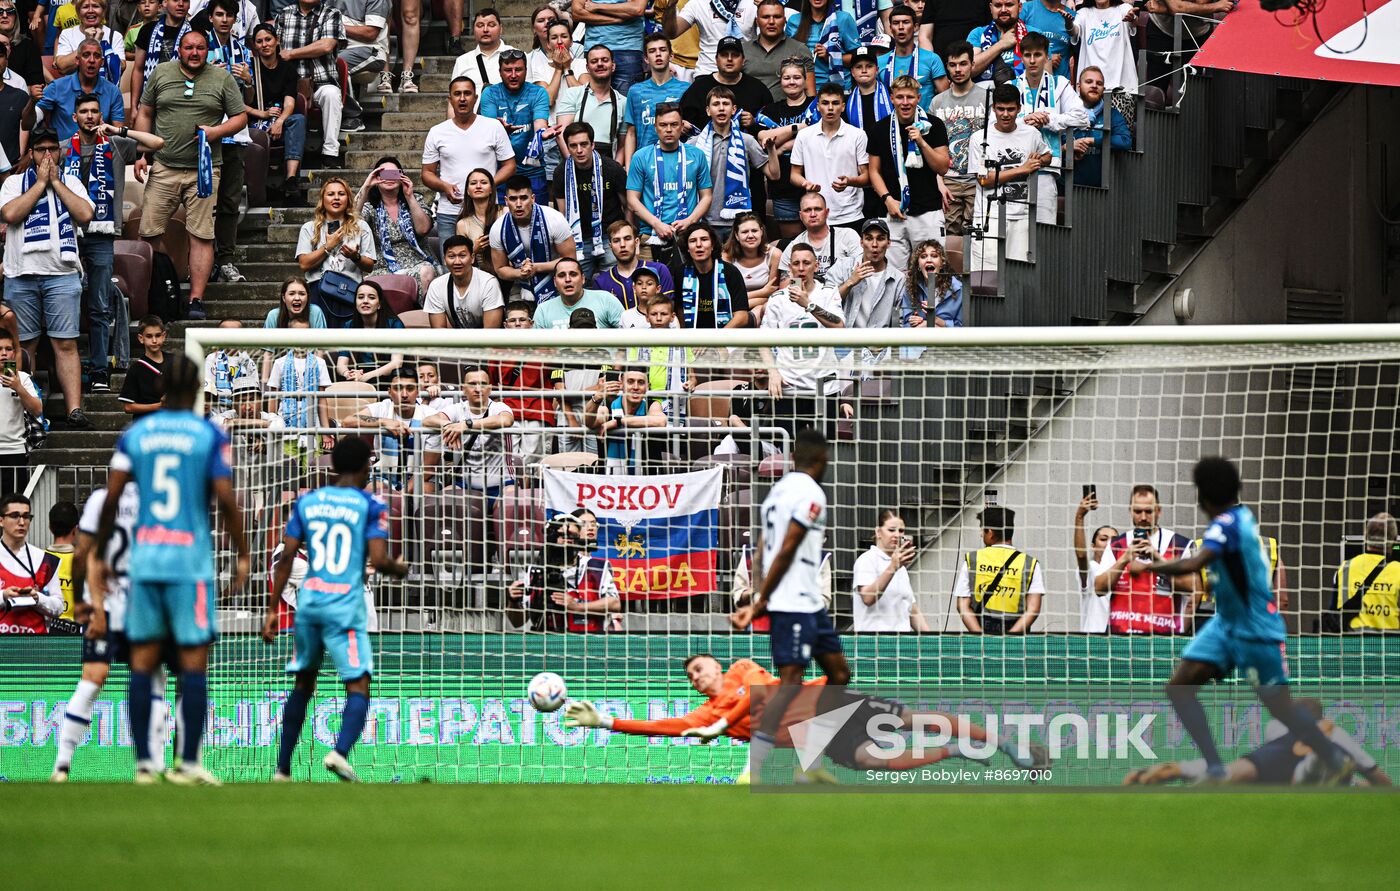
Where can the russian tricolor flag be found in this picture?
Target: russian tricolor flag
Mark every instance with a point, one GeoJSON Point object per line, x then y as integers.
{"type": "Point", "coordinates": [659, 532]}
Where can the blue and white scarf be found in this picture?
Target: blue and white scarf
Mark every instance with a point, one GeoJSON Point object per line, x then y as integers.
{"type": "Point", "coordinates": [737, 196]}
{"type": "Point", "coordinates": [990, 35]}
{"type": "Point", "coordinates": [1042, 98]}
{"type": "Point", "coordinates": [205, 183]}
{"type": "Point", "coordinates": [534, 153]}
{"type": "Point", "coordinates": [38, 226]}
{"type": "Point", "coordinates": [867, 14]}
{"type": "Point", "coordinates": [383, 230]}
{"type": "Point", "coordinates": [101, 182]}
{"type": "Point", "coordinates": [831, 36]}
{"type": "Point", "coordinates": [729, 11]}
{"type": "Point", "coordinates": [595, 214]}
{"type": "Point", "coordinates": [684, 187]}
{"type": "Point", "coordinates": [887, 74]}
{"type": "Point", "coordinates": [690, 296]}
{"type": "Point", "coordinates": [296, 410]}
{"type": "Point", "coordinates": [111, 63]}
{"type": "Point", "coordinates": [896, 132]}
{"type": "Point", "coordinates": [855, 113]}
{"type": "Point", "coordinates": [541, 251]}
{"type": "Point", "coordinates": [158, 41]}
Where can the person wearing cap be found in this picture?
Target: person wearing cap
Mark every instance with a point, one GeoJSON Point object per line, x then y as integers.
{"type": "Point", "coordinates": [714, 20]}
{"type": "Point", "coordinates": [998, 587]}
{"type": "Point", "coordinates": [735, 159]}
{"type": "Point", "coordinates": [868, 102]}
{"type": "Point", "coordinates": [834, 159]}
{"type": "Point", "coordinates": [646, 287]}
{"type": "Point", "coordinates": [873, 290]}
{"type": "Point", "coordinates": [247, 411]}
{"type": "Point", "coordinates": [43, 209]}
{"type": "Point", "coordinates": [750, 95]}
{"type": "Point", "coordinates": [908, 192]}
{"type": "Point", "coordinates": [771, 47]}
{"type": "Point", "coordinates": [574, 298]}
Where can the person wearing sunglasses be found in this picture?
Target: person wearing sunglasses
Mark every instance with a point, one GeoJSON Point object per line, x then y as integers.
{"type": "Point", "coordinates": [14, 105]}
{"type": "Point", "coordinates": [25, 55]}
{"type": "Point", "coordinates": [44, 207]}
{"type": "Point", "coordinates": [29, 588]}
{"type": "Point", "coordinates": [183, 100]}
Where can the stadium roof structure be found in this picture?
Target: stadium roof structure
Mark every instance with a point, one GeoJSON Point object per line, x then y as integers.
{"type": "Point", "coordinates": [1355, 41]}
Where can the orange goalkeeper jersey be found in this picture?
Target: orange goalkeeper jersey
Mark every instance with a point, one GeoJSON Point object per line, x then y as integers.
{"type": "Point", "coordinates": [734, 694]}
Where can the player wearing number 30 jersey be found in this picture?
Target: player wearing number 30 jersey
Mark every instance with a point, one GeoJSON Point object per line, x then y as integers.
{"type": "Point", "coordinates": [339, 525]}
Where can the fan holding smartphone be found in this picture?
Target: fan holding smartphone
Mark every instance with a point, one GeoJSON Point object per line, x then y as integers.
{"type": "Point", "coordinates": [884, 597]}
{"type": "Point", "coordinates": [1088, 550]}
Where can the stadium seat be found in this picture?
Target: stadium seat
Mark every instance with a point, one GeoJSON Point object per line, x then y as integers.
{"type": "Point", "coordinates": [346, 398]}
{"type": "Point", "coordinates": [131, 262]}
{"type": "Point", "coordinates": [1154, 97]}
{"type": "Point", "coordinates": [175, 241]}
{"type": "Point", "coordinates": [415, 318]}
{"type": "Point", "coordinates": [985, 284]}
{"type": "Point", "coordinates": [400, 292]}
{"type": "Point", "coordinates": [773, 467]}
{"type": "Point", "coordinates": [454, 523]}
{"type": "Point", "coordinates": [953, 247]}
{"type": "Point", "coordinates": [256, 161]}
{"type": "Point", "coordinates": [739, 468]}
{"type": "Point", "coordinates": [570, 461]}
{"type": "Point", "coordinates": [522, 523]}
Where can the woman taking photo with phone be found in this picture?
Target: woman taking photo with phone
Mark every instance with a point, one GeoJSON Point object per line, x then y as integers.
{"type": "Point", "coordinates": [883, 594]}
{"type": "Point", "coordinates": [401, 223]}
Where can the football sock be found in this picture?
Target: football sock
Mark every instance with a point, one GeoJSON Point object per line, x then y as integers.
{"type": "Point", "coordinates": [139, 709]}
{"type": "Point", "coordinates": [194, 705]}
{"type": "Point", "coordinates": [352, 722]}
{"type": "Point", "coordinates": [77, 718]}
{"type": "Point", "coordinates": [1302, 725]}
{"type": "Point", "coordinates": [760, 745]}
{"type": "Point", "coordinates": [160, 714]}
{"type": "Point", "coordinates": [293, 716]}
{"type": "Point", "coordinates": [1193, 717]}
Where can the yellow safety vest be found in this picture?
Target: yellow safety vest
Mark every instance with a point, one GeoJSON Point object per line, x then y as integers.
{"type": "Point", "coordinates": [1270, 548]}
{"type": "Point", "coordinates": [65, 581]}
{"type": "Point", "coordinates": [983, 567]}
{"type": "Point", "coordinates": [1380, 603]}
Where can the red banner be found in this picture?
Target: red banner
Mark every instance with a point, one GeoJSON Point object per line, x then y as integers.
{"type": "Point", "coordinates": [1356, 46]}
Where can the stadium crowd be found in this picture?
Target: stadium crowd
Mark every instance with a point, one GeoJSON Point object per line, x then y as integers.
{"type": "Point", "coordinates": [698, 164]}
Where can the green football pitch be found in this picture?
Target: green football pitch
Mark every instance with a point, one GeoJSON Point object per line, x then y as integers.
{"type": "Point", "coordinates": [432, 836]}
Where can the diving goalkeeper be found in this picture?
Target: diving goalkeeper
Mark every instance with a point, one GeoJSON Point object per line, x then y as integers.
{"type": "Point", "coordinates": [726, 711]}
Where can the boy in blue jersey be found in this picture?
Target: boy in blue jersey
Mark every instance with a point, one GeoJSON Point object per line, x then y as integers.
{"type": "Point", "coordinates": [177, 460]}
{"type": "Point", "coordinates": [340, 523]}
{"type": "Point", "coordinates": [1247, 633]}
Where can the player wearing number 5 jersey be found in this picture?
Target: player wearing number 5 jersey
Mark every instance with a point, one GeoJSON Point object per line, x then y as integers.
{"type": "Point", "coordinates": [178, 460]}
{"type": "Point", "coordinates": [794, 521]}
{"type": "Point", "coordinates": [340, 524]}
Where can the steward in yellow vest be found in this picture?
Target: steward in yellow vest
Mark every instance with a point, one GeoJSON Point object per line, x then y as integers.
{"type": "Point", "coordinates": [998, 587]}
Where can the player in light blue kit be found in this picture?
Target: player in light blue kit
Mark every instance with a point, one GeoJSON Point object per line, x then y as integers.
{"type": "Point", "coordinates": [1247, 632]}
{"type": "Point", "coordinates": [341, 524]}
{"type": "Point", "coordinates": [177, 460]}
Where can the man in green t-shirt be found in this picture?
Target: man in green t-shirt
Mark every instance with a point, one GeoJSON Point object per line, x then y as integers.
{"type": "Point", "coordinates": [568, 281]}
{"type": "Point", "coordinates": [182, 98]}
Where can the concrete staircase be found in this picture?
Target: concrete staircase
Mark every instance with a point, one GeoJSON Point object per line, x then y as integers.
{"type": "Point", "coordinates": [396, 125]}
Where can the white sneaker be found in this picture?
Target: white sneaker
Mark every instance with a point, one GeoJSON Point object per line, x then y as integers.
{"type": "Point", "coordinates": [336, 764]}
{"type": "Point", "coordinates": [146, 776]}
{"type": "Point", "coordinates": [280, 777]}
{"type": "Point", "coordinates": [229, 273]}
{"type": "Point", "coordinates": [406, 84]}
{"type": "Point", "coordinates": [384, 84]}
{"type": "Point", "coordinates": [190, 775]}
{"type": "Point", "coordinates": [59, 775]}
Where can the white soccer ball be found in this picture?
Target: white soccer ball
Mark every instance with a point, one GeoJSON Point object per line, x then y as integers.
{"type": "Point", "coordinates": [546, 691]}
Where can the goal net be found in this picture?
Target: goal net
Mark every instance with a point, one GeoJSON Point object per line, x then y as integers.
{"type": "Point", "coordinates": [969, 457]}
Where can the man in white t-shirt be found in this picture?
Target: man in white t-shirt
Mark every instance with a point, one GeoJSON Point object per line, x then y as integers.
{"type": "Point", "coordinates": [830, 244]}
{"type": "Point", "coordinates": [714, 19]}
{"type": "Point", "coordinates": [459, 145]}
{"type": "Point", "coordinates": [833, 157]}
{"type": "Point", "coordinates": [1105, 31]}
{"type": "Point", "coordinates": [247, 414]}
{"type": "Point", "coordinates": [469, 429]}
{"type": "Point", "coordinates": [466, 297]}
{"type": "Point", "coordinates": [1013, 153]}
{"type": "Point", "coordinates": [399, 420]}
{"type": "Point", "coordinates": [804, 303]}
{"type": "Point", "coordinates": [483, 64]}
{"type": "Point", "coordinates": [794, 524]}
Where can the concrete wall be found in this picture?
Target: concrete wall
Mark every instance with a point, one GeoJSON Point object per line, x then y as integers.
{"type": "Point", "coordinates": [1313, 223]}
